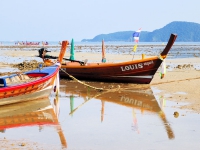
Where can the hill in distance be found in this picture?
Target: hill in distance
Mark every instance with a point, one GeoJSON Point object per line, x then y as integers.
{"type": "Point", "coordinates": [186, 31]}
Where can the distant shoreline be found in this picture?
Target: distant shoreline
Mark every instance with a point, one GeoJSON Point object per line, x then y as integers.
{"type": "Point", "coordinates": [177, 51]}
{"type": "Point", "coordinates": [99, 45]}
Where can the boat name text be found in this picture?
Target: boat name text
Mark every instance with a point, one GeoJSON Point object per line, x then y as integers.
{"type": "Point", "coordinates": [136, 66]}
{"type": "Point", "coordinates": [135, 102]}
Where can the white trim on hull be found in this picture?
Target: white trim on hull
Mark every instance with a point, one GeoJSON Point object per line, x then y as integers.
{"type": "Point", "coordinates": [146, 77]}
{"type": "Point", "coordinates": [27, 97]}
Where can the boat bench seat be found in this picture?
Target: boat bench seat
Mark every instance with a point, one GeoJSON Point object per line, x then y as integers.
{"type": "Point", "coordinates": [5, 81]}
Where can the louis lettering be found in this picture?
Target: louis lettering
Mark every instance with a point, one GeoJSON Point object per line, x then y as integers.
{"type": "Point", "coordinates": [132, 67]}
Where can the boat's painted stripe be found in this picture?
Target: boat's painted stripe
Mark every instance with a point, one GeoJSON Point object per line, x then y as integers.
{"type": "Point", "coordinates": [45, 108]}
{"type": "Point", "coordinates": [26, 97]}
{"type": "Point", "coordinates": [148, 77]}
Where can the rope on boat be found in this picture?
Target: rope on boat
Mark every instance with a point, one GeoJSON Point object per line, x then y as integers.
{"type": "Point", "coordinates": [72, 77]}
{"type": "Point", "coordinates": [160, 57]}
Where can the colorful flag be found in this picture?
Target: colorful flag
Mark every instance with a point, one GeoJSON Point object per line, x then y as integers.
{"type": "Point", "coordinates": [103, 52]}
{"type": "Point", "coordinates": [134, 48]}
{"type": "Point", "coordinates": [136, 35]}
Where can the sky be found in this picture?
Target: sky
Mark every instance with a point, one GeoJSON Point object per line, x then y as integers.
{"type": "Point", "coordinates": [57, 20]}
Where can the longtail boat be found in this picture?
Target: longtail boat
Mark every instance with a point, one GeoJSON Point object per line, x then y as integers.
{"type": "Point", "coordinates": [136, 71]}
{"type": "Point", "coordinates": [30, 85]}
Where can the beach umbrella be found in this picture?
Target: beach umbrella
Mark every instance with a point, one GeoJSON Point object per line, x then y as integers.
{"type": "Point", "coordinates": [72, 50]}
{"type": "Point", "coordinates": [103, 52]}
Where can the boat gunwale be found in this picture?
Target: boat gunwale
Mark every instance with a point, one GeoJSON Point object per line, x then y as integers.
{"type": "Point", "coordinates": [37, 81]}
{"type": "Point", "coordinates": [102, 65]}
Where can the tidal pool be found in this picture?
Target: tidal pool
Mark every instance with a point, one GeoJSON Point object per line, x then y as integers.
{"type": "Point", "coordinates": [82, 118]}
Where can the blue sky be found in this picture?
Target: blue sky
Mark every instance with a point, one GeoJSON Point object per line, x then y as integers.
{"type": "Point", "coordinates": [57, 20]}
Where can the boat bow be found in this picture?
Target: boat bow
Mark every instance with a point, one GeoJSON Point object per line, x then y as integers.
{"type": "Point", "coordinates": [170, 43]}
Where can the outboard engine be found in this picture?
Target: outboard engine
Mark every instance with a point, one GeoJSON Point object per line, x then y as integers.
{"type": "Point", "coordinates": [41, 50]}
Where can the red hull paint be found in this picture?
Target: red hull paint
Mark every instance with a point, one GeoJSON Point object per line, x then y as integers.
{"type": "Point", "coordinates": [130, 72]}
{"type": "Point", "coordinates": [19, 91]}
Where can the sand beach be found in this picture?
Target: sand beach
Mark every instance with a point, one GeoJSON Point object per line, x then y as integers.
{"type": "Point", "coordinates": [180, 84]}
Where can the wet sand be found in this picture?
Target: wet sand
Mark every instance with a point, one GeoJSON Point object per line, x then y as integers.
{"type": "Point", "coordinates": [179, 85]}
{"type": "Point", "coordinates": [180, 82]}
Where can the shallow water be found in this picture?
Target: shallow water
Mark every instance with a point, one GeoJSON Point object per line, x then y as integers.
{"type": "Point", "coordinates": [178, 50]}
{"type": "Point", "coordinates": [82, 118]}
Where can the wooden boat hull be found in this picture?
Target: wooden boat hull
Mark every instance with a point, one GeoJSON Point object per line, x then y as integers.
{"type": "Point", "coordinates": [27, 97]}
{"type": "Point", "coordinates": [39, 88]}
{"type": "Point", "coordinates": [139, 71]}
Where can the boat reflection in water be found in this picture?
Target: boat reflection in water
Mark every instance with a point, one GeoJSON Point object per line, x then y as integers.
{"type": "Point", "coordinates": [137, 98]}
{"type": "Point", "coordinates": [33, 113]}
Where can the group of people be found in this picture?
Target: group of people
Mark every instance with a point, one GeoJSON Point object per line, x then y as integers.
{"type": "Point", "coordinates": [31, 43]}
{"type": "Point", "coordinates": [27, 43]}
{"type": "Point", "coordinates": [43, 43]}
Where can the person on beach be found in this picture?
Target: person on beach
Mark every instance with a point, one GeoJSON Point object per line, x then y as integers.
{"type": "Point", "coordinates": [43, 54]}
